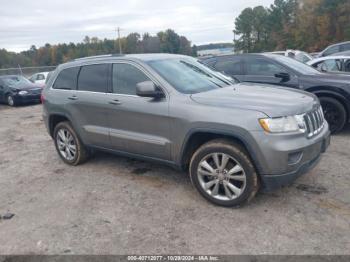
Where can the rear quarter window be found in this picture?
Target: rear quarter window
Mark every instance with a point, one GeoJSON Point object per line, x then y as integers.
{"type": "Point", "coordinates": [67, 79]}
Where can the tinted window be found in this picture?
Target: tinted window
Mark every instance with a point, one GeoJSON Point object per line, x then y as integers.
{"type": "Point", "coordinates": [93, 78]}
{"type": "Point", "coordinates": [229, 67]}
{"type": "Point", "coordinates": [295, 65]}
{"type": "Point", "coordinates": [331, 50]}
{"type": "Point", "coordinates": [67, 79]}
{"type": "Point", "coordinates": [125, 79]}
{"type": "Point", "coordinates": [345, 47]}
{"type": "Point", "coordinates": [262, 67]}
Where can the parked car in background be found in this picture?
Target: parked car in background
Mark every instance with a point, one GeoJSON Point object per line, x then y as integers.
{"type": "Point", "coordinates": [295, 54]}
{"type": "Point", "coordinates": [333, 90]}
{"type": "Point", "coordinates": [16, 89]}
{"type": "Point", "coordinates": [336, 48]}
{"type": "Point", "coordinates": [39, 78]}
{"type": "Point", "coordinates": [332, 64]}
{"type": "Point", "coordinates": [231, 137]}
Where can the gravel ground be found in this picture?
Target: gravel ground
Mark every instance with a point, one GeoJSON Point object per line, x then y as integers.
{"type": "Point", "coordinates": [115, 205]}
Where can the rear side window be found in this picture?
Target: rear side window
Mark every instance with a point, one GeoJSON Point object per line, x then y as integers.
{"type": "Point", "coordinates": [229, 67]}
{"type": "Point", "coordinates": [345, 47]}
{"type": "Point", "coordinates": [93, 78]}
{"type": "Point", "coordinates": [126, 77]}
{"type": "Point", "coordinates": [67, 79]}
{"type": "Point", "coordinates": [332, 50]}
{"type": "Point", "coordinates": [262, 67]}
{"type": "Point", "coordinates": [40, 77]}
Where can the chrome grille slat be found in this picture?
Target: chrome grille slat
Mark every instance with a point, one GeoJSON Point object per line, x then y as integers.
{"type": "Point", "coordinates": [314, 122]}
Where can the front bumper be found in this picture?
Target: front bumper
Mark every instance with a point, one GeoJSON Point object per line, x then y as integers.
{"type": "Point", "coordinates": [27, 99]}
{"type": "Point", "coordinates": [284, 158]}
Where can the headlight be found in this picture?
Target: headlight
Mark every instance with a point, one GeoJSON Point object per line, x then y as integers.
{"type": "Point", "coordinates": [22, 93]}
{"type": "Point", "coordinates": [284, 124]}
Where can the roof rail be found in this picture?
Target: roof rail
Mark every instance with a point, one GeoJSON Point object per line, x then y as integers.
{"type": "Point", "coordinates": [96, 56]}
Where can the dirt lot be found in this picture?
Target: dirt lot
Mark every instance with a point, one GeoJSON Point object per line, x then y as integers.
{"type": "Point", "coordinates": [114, 205]}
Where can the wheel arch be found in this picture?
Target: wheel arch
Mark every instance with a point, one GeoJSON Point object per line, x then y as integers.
{"type": "Point", "coordinates": [198, 137]}
{"type": "Point", "coordinates": [333, 93]}
{"type": "Point", "coordinates": [55, 119]}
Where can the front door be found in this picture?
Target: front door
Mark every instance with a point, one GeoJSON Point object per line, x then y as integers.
{"type": "Point", "coordinates": [138, 125]}
{"type": "Point", "coordinates": [260, 70]}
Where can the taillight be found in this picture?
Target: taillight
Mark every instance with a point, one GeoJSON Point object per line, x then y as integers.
{"type": "Point", "coordinates": [42, 98]}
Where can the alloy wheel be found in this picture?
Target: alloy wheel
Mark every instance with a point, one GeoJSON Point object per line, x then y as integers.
{"type": "Point", "coordinates": [66, 144]}
{"type": "Point", "coordinates": [221, 176]}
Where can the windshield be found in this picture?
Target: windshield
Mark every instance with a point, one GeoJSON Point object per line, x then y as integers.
{"type": "Point", "coordinates": [188, 76]}
{"type": "Point", "coordinates": [296, 65]}
{"type": "Point", "coordinates": [13, 81]}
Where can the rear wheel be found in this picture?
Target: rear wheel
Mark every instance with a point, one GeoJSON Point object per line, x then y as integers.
{"type": "Point", "coordinates": [223, 173]}
{"type": "Point", "coordinates": [334, 113]}
{"type": "Point", "coordinates": [68, 145]}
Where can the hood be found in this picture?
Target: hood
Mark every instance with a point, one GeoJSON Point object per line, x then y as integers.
{"type": "Point", "coordinates": [270, 100]}
{"type": "Point", "coordinates": [26, 87]}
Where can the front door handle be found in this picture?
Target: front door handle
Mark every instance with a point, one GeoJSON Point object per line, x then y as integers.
{"type": "Point", "coordinates": [73, 98]}
{"type": "Point", "coordinates": [115, 102]}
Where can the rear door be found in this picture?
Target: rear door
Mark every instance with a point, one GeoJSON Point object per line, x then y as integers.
{"type": "Point", "coordinates": [88, 104]}
{"type": "Point", "coordinates": [138, 125]}
{"type": "Point", "coordinates": [263, 70]}
{"type": "Point", "coordinates": [231, 66]}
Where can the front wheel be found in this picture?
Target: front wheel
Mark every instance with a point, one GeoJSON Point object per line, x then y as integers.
{"type": "Point", "coordinates": [223, 173]}
{"type": "Point", "coordinates": [334, 113]}
{"type": "Point", "coordinates": [10, 100]}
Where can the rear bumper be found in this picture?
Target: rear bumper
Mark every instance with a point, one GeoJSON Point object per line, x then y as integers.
{"type": "Point", "coordinates": [273, 182]}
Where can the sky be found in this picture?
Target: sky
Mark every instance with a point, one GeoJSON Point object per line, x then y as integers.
{"type": "Point", "coordinates": [37, 22]}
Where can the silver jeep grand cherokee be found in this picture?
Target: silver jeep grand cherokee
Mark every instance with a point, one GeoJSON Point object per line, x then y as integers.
{"type": "Point", "coordinates": [232, 137]}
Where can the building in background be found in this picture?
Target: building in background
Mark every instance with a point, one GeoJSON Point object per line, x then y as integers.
{"type": "Point", "coordinates": [216, 51]}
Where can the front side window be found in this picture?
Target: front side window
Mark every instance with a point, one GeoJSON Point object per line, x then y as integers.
{"type": "Point", "coordinates": [93, 78]}
{"type": "Point", "coordinates": [126, 77]}
{"type": "Point", "coordinates": [330, 65]}
{"type": "Point", "coordinates": [229, 67]}
{"type": "Point", "coordinates": [189, 76]}
{"type": "Point", "coordinates": [67, 79]}
{"type": "Point", "coordinates": [262, 67]}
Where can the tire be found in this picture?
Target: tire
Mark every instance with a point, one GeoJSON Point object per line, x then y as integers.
{"type": "Point", "coordinates": [66, 139]}
{"type": "Point", "coordinates": [239, 172]}
{"type": "Point", "coordinates": [334, 113]}
{"type": "Point", "coordinates": [10, 100]}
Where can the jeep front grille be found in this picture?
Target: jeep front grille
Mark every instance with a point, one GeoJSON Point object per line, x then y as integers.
{"type": "Point", "coordinates": [314, 122]}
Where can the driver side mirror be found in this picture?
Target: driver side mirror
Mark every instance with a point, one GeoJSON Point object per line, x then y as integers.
{"type": "Point", "coordinates": [148, 89]}
{"type": "Point", "coordinates": [284, 76]}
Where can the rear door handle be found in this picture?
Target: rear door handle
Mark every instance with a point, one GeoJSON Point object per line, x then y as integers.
{"type": "Point", "coordinates": [115, 102]}
{"type": "Point", "coordinates": [73, 98]}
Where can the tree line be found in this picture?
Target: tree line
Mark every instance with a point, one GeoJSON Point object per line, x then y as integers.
{"type": "Point", "coordinates": [308, 25]}
{"type": "Point", "coordinates": [50, 55]}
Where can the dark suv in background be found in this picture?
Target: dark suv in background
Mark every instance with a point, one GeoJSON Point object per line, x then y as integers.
{"type": "Point", "coordinates": [169, 108]}
{"type": "Point", "coordinates": [332, 90]}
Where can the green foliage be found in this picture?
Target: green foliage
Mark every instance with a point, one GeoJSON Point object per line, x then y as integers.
{"type": "Point", "coordinates": [164, 42]}
{"type": "Point", "coordinates": [310, 25]}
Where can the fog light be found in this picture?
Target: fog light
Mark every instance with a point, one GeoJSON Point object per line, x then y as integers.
{"type": "Point", "coordinates": [294, 158]}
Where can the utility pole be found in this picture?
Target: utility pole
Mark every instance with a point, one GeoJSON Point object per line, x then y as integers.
{"type": "Point", "coordinates": [118, 29]}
